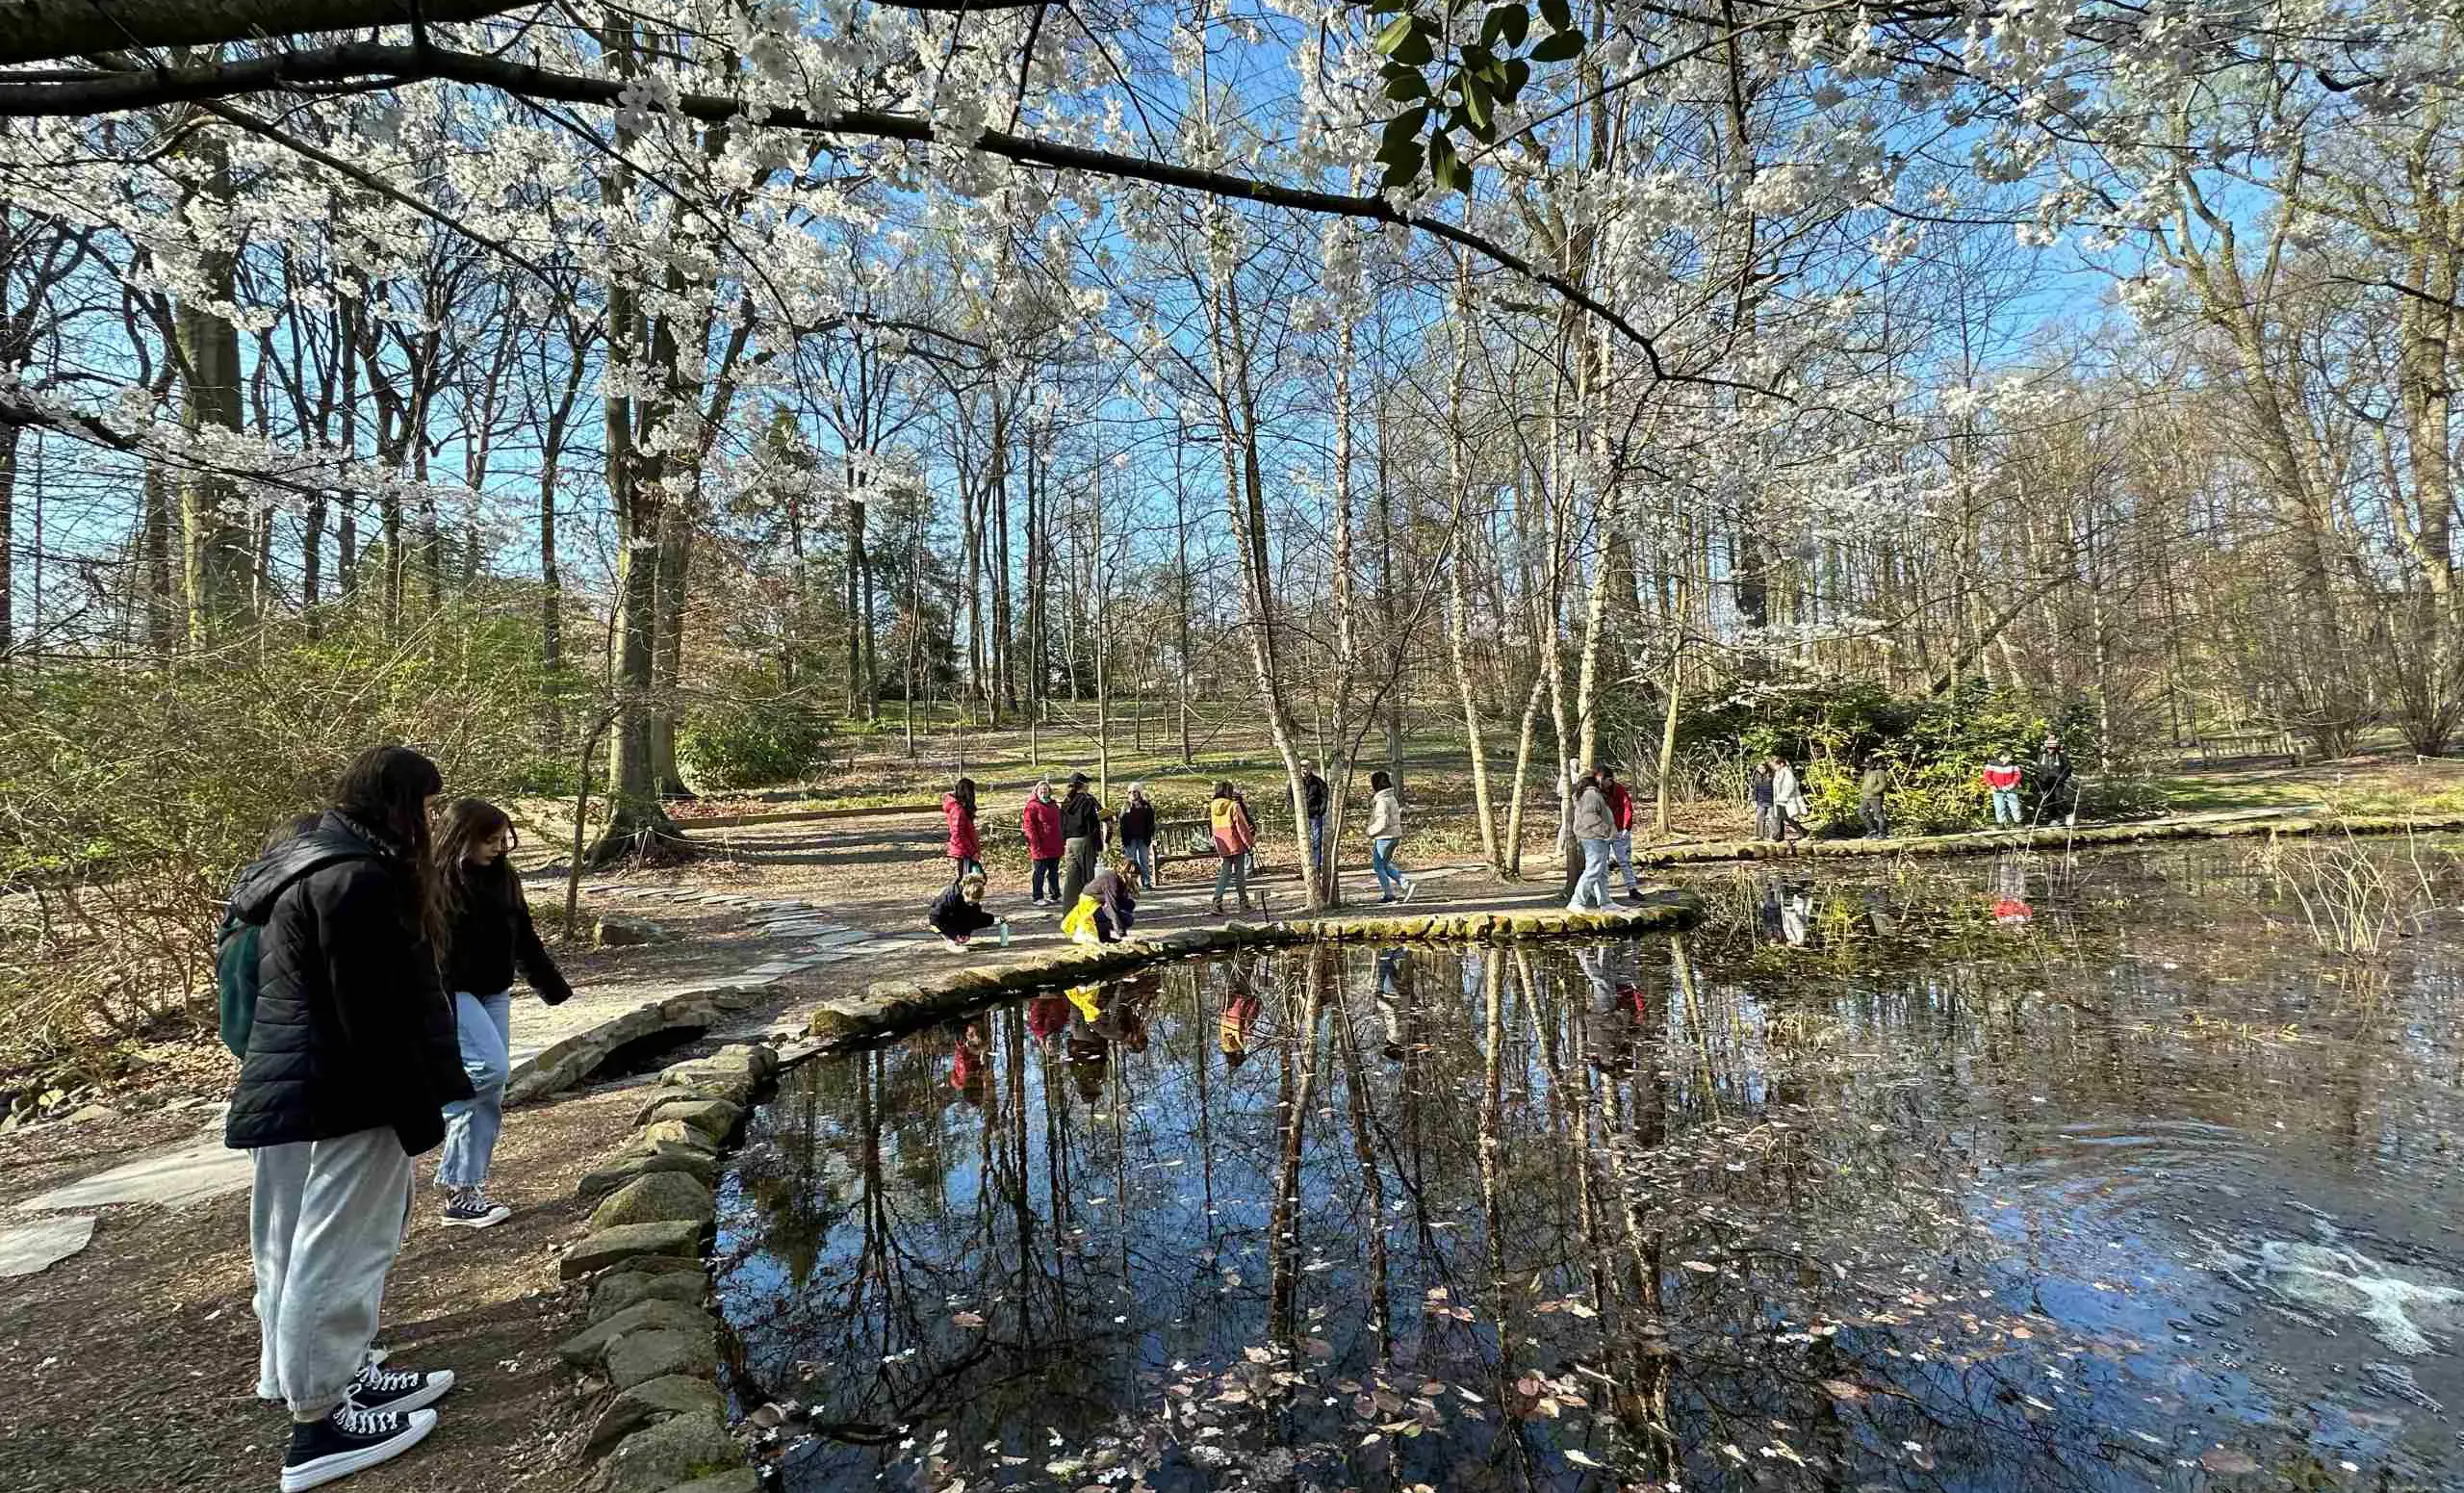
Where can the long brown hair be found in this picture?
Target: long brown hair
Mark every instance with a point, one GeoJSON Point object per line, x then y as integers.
{"type": "Point", "coordinates": [469, 823]}
{"type": "Point", "coordinates": [385, 791]}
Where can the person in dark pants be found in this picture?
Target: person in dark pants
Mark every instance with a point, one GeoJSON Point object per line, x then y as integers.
{"type": "Point", "coordinates": [1234, 835]}
{"type": "Point", "coordinates": [1313, 793]}
{"type": "Point", "coordinates": [351, 1059]}
{"type": "Point", "coordinates": [957, 914]}
{"type": "Point", "coordinates": [2056, 790]}
{"type": "Point", "coordinates": [966, 848]}
{"type": "Point", "coordinates": [1082, 835]}
{"type": "Point", "coordinates": [487, 932]}
{"type": "Point", "coordinates": [1765, 805]}
{"type": "Point", "coordinates": [1042, 820]}
{"type": "Point", "coordinates": [1871, 786]}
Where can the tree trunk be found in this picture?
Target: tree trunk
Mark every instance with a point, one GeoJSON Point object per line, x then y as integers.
{"type": "Point", "coordinates": [213, 528]}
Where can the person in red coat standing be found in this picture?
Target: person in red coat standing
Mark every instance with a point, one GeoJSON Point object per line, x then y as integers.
{"type": "Point", "coordinates": [1042, 822]}
{"type": "Point", "coordinates": [966, 848]}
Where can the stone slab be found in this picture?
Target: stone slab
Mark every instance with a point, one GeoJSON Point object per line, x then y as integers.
{"type": "Point", "coordinates": [174, 1177]}
{"type": "Point", "coordinates": [681, 1237]}
{"type": "Point", "coordinates": [31, 1248]}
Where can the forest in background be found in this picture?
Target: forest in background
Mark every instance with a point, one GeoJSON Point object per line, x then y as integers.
{"type": "Point", "coordinates": [673, 394]}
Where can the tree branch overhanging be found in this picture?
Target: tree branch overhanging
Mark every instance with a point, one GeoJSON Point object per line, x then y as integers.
{"type": "Point", "coordinates": [41, 31]}
{"type": "Point", "coordinates": [360, 62]}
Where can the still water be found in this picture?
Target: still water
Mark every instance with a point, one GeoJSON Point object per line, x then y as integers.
{"type": "Point", "coordinates": [2091, 1173]}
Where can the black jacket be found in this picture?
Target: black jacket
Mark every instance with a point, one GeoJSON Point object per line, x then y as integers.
{"type": "Point", "coordinates": [1313, 789]}
{"type": "Point", "coordinates": [1081, 815]}
{"type": "Point", "coordinates": [1138, 824]}
{"type": "Point", "coordinates": [954, 916]}
{"type": "Point", "coordinates": [352, 1031]}
{"type": "Point", "coordinates": [490, 933]}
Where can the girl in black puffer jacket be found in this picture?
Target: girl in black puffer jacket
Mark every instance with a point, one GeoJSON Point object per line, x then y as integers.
{"type": "Point", "coordinates": [350, 1059]}
{"type": "Point", "coordinates": [487, 931]}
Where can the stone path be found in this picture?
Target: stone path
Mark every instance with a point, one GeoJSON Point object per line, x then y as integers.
{"type": "Point", "coordinates": [57, 1224]}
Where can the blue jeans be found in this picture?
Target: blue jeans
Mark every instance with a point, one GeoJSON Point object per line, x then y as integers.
{"type": "Point", "coordinates": [1593, 884]}
{"type": "Point", "coordinates": [1232, 871]}
{"type": "Point", "coordinates": [1047, 873]}
{"type": "Point", "coordinates": [2006, 806]}
{"type": "Point", "coordinates": [1623, 848]}
{"type": "Point", "coordinates": [1381, 864]}
{"type": "Point", "coordinates": [1142, 855]}
{"type": "Point", "coordinates": [483, 1024]}
{"type": "Point", "coordinates": [1317, 843]}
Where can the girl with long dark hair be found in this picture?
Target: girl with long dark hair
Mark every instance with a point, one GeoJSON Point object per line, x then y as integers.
{"type": "Point", "coordinates": [487, 931]}
{"type": "Point", "coordinates": [351, 1060]}
{"type": "Point", "coordinates": [965, 845]}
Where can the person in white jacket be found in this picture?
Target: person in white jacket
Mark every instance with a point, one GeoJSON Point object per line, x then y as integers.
{"type": "Point", "coordinates": [1787, 801]}
{"type": "Point", "coordinates": [1385, 829]}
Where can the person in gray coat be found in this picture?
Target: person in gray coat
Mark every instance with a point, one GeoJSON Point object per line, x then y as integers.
{"type": "Point", "coordinates": [1596, 827]}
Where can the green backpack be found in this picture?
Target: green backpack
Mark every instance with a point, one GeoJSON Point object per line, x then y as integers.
{"type": "Point", "coordinates": [237, 946]}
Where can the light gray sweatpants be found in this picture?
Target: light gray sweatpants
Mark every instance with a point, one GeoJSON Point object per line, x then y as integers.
{"type": "Point", "coordinates": [325, 1223]}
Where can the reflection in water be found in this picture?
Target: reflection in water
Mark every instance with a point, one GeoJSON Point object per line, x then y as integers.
{"type": "Point", "coordinates": [2133, 1192]}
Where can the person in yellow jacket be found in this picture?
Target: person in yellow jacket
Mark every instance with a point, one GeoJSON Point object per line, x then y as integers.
{"type": "Point", "coordinates": [1234, 835]}
{"type": "Point", "coordinates": [1106, 908]}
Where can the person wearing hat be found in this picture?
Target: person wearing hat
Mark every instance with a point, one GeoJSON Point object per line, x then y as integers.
{"type": "Point", "coordinates": [1082, 835]}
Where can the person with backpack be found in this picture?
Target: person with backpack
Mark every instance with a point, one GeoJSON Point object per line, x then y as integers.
{"type": "Point", "coordinates": [350, 1059]}
{"type": "Point", "coordinates": [1229, 818]}
{"type": "Point", "coordinates": [1042, 820]}
{"type": "Point", "coordinates": [487, 928]}
{"type": "Point", "coordinates": [965, 846]}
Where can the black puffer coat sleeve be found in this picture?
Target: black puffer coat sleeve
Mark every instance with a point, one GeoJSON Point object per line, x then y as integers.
{"type": "Point", "coordinates": [533, 955]}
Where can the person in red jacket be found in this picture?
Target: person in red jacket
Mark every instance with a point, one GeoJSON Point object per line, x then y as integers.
{"type": "Point", "coordinates": [1042, 820]}
{"type": "Point", "coordinates": [965, 846]}
{"type": "Point", "coordinates": [2002, 781]}
{"type": "Point", "coordinates": [1620, 813]}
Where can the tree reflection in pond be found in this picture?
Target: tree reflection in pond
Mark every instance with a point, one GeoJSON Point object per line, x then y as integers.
{"type": "Point", "coordinates": [1917, 1193]}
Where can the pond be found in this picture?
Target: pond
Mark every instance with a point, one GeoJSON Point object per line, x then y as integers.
{"type": "Point", "coordinates": [2032, 1173]}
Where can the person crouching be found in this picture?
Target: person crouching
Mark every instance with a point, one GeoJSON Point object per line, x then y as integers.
{"type": "Point", "coordinates": [957, 914]}
{"type": "Point", "coordinates": [1106, 909]}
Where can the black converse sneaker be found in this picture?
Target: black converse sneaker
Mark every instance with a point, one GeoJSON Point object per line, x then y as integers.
{"type": "Point", "coordinates": [347, 1441]}
{"type": "Point", "coordinates": [399, 1391]}
{"type": "Point", "coordinates": [470, 1208]}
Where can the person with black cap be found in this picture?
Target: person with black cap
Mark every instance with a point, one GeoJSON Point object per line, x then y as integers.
{"type": "Point", "coordinates": [1082, 835]}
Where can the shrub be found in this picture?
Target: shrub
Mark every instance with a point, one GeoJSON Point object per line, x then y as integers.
{"type": "Point", "coordinates": [753, 737]}
{"type": "Point", "coordinates": [130, 798]}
